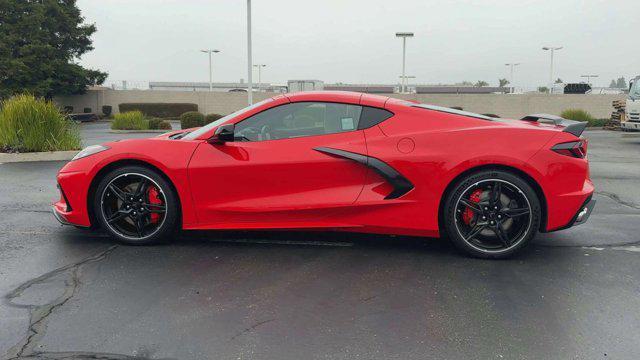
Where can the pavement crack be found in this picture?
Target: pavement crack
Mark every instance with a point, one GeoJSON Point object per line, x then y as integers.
{"type": "Point", "coordinates": [617, 199]}
{"type": "Point", "coordinates": [39, 314]}
{"type": "Point", "coordinates": [251, 328]}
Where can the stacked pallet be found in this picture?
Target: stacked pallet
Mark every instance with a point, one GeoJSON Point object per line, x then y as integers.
{"type": "Point", "coordinates": [617, 116]}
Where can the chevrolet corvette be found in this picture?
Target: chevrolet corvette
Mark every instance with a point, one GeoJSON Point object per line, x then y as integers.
{"type": "Point", "coordinates": [340, 161]}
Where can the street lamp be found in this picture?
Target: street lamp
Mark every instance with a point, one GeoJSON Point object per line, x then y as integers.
{"type": "Point", "coordinates": [404, 79]}
{"type": "Point", "coordinates": [589, 78]}
{"type": "Point", "coordinates": [552, 49]}
{"type": "Point", "coordinates": [259, 66]}
{"type": "Point", "coordinates": [404, 36]}
{"type": "Point", "coordinates": [210, 66]}
{"type": "Point", "coordinates": [249, 59]}
{"type": "Point", "coordinates": [512, 65]}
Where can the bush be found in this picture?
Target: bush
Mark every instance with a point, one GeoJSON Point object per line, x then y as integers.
{"type": "Point", "coordinates": [159, 124]}
{"type": "Point", "coordinates": [576, 114]}
{"type": "Point", "coordinates": [160, 110]}
{"type": "Point", "coordinates": [106, 110]}
{"type": "Point", "coordinates": [154, 123]}
{"type": "Point", "coordinates": [191, 119]}
{"type": "Point", "coordinates": [211, 118]}
{"type": "Point", "coordinates": [131, 120]}
{"type": "Point", "coordinates": [29, 124]}
{"type": "Point", "coordinates": [165, 125]}
{"type": "Point", "coordinates": [598, 122]}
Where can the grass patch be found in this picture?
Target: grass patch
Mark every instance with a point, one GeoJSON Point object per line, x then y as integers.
{"type": "Point", "coordinates": [598, 122]}
{"type": "Point", "coordinates": [28, 124]}
{"type": "Point", "coordinates": [577, 114]}
{"type": "Point", "coordinates": [130, 120]}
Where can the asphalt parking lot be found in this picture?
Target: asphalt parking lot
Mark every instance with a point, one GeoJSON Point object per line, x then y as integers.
{"type": "Point", "coordinates": [73, 294]}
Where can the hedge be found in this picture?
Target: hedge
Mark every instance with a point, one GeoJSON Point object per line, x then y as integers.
{"type": "Point", "coordinates": [159, 110]}
{"type": "Point", "coordinates": [191, 119]}
{"type": "Point", "coordinates": [211, 118]}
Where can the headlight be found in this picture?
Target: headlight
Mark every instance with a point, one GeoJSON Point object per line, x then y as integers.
{"type": "Point", "coordinates": [90, 150]}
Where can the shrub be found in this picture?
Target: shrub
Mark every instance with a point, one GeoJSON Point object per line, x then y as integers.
{"type": "Point", "coordinates": [165, 125]}
{"type": "Point", "coordinates": [154, 123]}
{"type": "Point", "coordinates": [598, 122]}
{"type": "Point", "coordinates": [211, 118]}
{"type": "Point", "coordinates": [191, 119]}
{"type": "Point", "coordinates": [160, 110]}
{"type": "Point", "coordinates": [576, 114]}
{"type": "Point", "coordinates": [106, 110]}
{"type": "Point", "coordinates": [131, 120]}
{"type": "Point", "coordinates": [30, 124]}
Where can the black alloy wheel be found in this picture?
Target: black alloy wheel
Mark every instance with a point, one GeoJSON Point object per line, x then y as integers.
{"type": "Point", "coordinates": [136, 205]}
{"type": "Point", "coordinates": [492, 214]}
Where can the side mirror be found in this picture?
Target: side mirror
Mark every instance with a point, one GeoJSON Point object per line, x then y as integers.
{"type": "Point", "coordinates": [223, 134]}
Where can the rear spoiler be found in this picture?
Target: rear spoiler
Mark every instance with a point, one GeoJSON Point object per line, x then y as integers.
{"type": "Point", "coordinates": [570, 126]}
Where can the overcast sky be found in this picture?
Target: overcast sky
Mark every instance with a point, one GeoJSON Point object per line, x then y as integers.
{"type": "Point", "coordinates": [354, 42]}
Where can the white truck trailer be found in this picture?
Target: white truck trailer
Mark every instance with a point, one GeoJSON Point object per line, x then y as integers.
{"type": "Point", "coordinates": [632, 108]}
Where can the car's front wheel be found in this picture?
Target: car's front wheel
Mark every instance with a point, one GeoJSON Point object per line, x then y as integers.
{"type": "Point", "coordinates": [492, 214]}
{"type": "Point", "coordinates": [136, 205]}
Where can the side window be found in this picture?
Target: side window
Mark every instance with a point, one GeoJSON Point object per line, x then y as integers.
{"type": "Point", "coordinates": [298, 120]}
{"type": "Point", "coordinates": [372, 116]}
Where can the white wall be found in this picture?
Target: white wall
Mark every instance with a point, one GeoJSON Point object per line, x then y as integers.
{"type": "Point", "coordinates": [511, 106]}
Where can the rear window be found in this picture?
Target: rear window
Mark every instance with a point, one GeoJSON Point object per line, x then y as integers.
{"type": "Point", "coordinates": [452, 111]}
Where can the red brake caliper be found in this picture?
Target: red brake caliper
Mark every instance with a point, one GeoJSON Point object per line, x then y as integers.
{"type": "Point", "coordinates": [467, 215]}
{"type": "Point", "coordinates": [154, 198]}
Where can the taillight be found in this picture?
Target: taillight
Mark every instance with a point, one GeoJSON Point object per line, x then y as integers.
{"type": "Point", "coordinates": [577, 149]}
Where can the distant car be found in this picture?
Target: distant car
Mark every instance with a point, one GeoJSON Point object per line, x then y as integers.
{"type": "Point", "coordinates": [237, 90]}
{"type": "Point", "coordinates": [340, 161]}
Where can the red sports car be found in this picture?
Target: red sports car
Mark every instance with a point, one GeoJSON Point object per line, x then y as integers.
{"type": "Point", "coordinates": [340, 161]}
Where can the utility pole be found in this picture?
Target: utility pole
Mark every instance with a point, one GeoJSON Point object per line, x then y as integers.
{"type": "Point", "coordinates": [404, 36]}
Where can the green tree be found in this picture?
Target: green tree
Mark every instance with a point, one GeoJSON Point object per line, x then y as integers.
{"type": "Point", "coordinates": [481, 83]}
{"type": "Point", "coordinates": [40, 43]}
{"type": "Point", "coordinates": [621, 83]}
{"type": "Point", "coordinates": [558, 81]}
{"type": "Point", "coordinates": [543, 89]}
{"type": "Point", "coordinates": [613, 84]}
{"type": "Point", "coordinates": [503, 82]}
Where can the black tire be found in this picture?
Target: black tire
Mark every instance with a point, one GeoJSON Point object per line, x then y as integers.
{"type": "Point", "coordinates": [109, 205]}
{"type": "Point", "coordinates": [479, 230]}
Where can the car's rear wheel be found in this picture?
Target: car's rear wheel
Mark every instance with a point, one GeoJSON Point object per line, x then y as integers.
{"type": "Point", "coordinates": [492, 214]}
{"type": "Point", "coordinates": [136, 205]}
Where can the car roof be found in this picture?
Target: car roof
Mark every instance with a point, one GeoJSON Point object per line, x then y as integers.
{"type": "Point", "coordinates": [348, 97]}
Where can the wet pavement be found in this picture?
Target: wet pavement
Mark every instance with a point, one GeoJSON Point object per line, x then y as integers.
{"type": "Point", "coordinates": [73, 294]}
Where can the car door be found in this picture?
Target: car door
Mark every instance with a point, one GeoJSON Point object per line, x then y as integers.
{"type": "Point", "coordinates": [273, 174]}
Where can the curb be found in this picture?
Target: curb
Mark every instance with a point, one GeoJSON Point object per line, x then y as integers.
{"type": "Point", "coordinates": [140, 131]}
{"type": "Point", "coordinates": [37, 156]}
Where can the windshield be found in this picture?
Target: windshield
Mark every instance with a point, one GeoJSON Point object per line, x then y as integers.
{"type": "Point", "coordinates": [203, 130]}
{"type": "Point", "coordinates": [634, 92]}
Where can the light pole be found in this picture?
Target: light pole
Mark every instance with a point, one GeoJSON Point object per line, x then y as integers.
{"type": "Point", "coordinates": [210, 66]}
{"type": "Point", "coordinates": [589, 78]}
{"type": "Point", "coordinates": [259, 66]}
{"type": "Point", "coordinates": [404, 78]}
{"type": "Point", "coordinates": [249, 59]}
{"type": "Point", "coordinates": [404, 36]}
{"type": "Point", "coordinates": [552, 49]}
{"type": "Point", "coordinates": [512, 65]}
